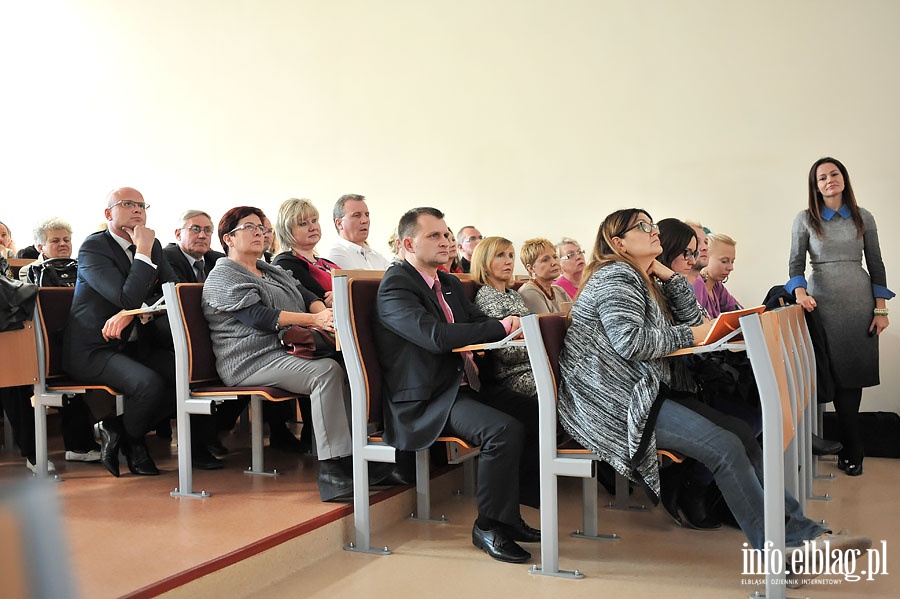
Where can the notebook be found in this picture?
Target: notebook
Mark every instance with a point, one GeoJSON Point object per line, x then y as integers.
{"type": "Point", "coordinates": [728, 322]}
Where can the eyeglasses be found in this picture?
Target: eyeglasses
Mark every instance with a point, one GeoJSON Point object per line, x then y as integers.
{"type": "Point", "coordinates": [129, 205]}
{"type": "Point", "coordinates": [690, 255]}
{"type": "Point", "coordinates": [472, 238]}
{"type": "Point", "coordinates": [642, 225]}
{"type": "Point", "coordinates": [251, 227]}
{"type": "Point", "coordinates": [198, 229]}
{"type": "Point", "coordinates": [571, 255]}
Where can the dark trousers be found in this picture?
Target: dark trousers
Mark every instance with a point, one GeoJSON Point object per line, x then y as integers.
{"type": "Point", "coordinates": [505, 425]}
{"type": "Point", "coordinates": [846, 405]}
{"type": "Point", "coordinates": [76, 419]}
{"type": "Point", "coordinates": [145, 375]}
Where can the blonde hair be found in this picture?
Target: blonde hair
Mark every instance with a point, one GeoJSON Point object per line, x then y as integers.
{"type": "Point", "coordinates": [532, 249]}
{"type": "Point", "coordinates": [720, 238]}
{"type": "Point", "coordinates": [483, 254]}
{"type": "Point", "coordinates": [288, 214]}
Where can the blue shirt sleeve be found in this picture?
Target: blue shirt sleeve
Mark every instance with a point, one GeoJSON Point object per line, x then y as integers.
{"type": "Point", "coordinates": [881, 291]}
{"type": "Point", "coordinates": [794, 282]}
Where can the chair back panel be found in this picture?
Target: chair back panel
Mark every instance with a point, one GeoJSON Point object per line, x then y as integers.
{"type": "Point", "coordinates": [553, 332]}
{"type": "Point", "coordinates": [201, 358]}
{"type": "Point", "coordinates": [54, 305]}
{"type": "Point", "coordinates": [362, 314]}
{"type": "Point", "coordinates": [770, 327]}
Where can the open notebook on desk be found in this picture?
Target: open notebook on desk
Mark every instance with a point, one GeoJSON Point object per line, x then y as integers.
{"type": "Point", "coordinates": [724, 332]}
{"type": "Point", "coordinates": [508, 341]}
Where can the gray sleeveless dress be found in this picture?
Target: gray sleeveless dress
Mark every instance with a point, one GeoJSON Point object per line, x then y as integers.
{"type": "Point", "coordinates": [843, 291]}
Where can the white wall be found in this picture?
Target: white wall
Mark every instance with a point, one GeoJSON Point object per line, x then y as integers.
{"type": "Point", "coordinates": [527, 118]}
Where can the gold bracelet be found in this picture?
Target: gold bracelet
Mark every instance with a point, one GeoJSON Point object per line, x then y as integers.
{"type": "Point", "coordinates": [881, 311]}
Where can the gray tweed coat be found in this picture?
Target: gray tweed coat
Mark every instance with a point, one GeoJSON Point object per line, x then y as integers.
{"type": "Point", "coordinates": [612, 367]}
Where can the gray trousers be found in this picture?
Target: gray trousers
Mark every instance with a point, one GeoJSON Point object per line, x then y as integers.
{"type": "Point", "coordinates": [326, 384]}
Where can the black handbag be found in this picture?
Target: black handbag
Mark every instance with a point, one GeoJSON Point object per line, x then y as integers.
{"type": "Point", "coordinates": [309, 343]}
{"type": "Point", "coordinates": [54, 272]}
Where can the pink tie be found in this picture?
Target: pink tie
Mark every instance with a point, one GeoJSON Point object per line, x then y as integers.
{"type": "Point", "coordinates": [470, 369]}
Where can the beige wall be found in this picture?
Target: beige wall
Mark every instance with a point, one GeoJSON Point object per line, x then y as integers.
{"type": "Point", "coordinates": [526, 118]}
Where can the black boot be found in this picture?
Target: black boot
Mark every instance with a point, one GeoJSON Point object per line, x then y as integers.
{"type": "Point", "coordinates": [692, 502]}
{"type": "Point", "coordinates": [670, 485]}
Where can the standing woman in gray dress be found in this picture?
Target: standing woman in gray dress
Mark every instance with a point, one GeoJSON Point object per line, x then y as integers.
{"type": "Point", "coordinates": [837, 233]}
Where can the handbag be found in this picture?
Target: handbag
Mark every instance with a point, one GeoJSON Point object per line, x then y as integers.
{"type": "Point", "coordinates": [54, 272]}
{"type": "Point", "coordinates": [309, 343]}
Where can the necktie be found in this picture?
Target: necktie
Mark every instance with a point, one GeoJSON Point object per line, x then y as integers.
{"type": "Point", "coordinates": [198, 271]}
{"type": "Point", "coordinates": [132, 251]}
{"type": "Point", "coordinates": [470, 369]}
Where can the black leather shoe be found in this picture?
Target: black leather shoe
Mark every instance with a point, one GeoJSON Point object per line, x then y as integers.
{"type": "Point", "coordinates": [523, 533]}
{"type": "Point", "coordinates": [217, 448]}
{"type": "Point", "coordinates": [111, 435]}
{"type": "Point", "coordinates": [389, 475]}
{"type": "Point", "coordinates": [334, 483]}
{"type": "Point", "coordinates": [822, 446]}
{"type": "Point", "coordinates": [202, 459]}
{"type": "Point", "coordinates": [499, 545]}
{"type": "Point", "coordinates": [850, 467]}
{"type": "Point", "coordinates": [138, 457]}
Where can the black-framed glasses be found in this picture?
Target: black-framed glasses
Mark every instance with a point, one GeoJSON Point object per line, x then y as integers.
{"type": "Point", "coordinates": [198, 229]}
{"type": "Point", "coordinates": [642, 225]}
{"type": "Point", "coordinates": [571, 255]}
{"type": "Point", "coordinates": [690, 254]}
{"type": "Point", "coordinates": [251, 227]}
{"type": "Point", "coordinates": [129, 205]}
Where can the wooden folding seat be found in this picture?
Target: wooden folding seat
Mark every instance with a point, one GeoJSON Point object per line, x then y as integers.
{"type": "Point", "coordinates": [53, 386]}
{"type": "Point", "coordinates": [198, 386]}
{"type": "Point", "coordinates": [354, 311]}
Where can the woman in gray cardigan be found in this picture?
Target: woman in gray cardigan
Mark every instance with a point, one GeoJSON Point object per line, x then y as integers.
{"type": "Point", "coordinates": [246, 301]}
{"type": "Point", "coordinates": [614, 396]}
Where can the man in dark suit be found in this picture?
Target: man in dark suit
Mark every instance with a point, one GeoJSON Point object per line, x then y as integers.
{"type": "Point", "coordinates": [191, 258]}
{"type": "Point", "coordinates": [422, 315]}
{"type": "Point", "coordinates": [122, 269]}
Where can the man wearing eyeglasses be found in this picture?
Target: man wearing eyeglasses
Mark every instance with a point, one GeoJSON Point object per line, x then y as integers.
{"type": "Point", "coordinates": [466, 240]}
{"type": "Point", "coordinates": [191, 257]}
{"type": "Point", "coordinates": [120, 269]}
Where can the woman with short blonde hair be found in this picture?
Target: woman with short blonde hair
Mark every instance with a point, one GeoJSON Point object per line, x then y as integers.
{"type": "Point", "coordinates": [298, 230]}
{"type": "Point", "coordinates": [540, 294]}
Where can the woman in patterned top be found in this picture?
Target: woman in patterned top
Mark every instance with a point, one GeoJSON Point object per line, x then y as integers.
{"type": "Point", "coordinates": [615, 398]}
{"type": "Point", "coordinates": [492, 268]}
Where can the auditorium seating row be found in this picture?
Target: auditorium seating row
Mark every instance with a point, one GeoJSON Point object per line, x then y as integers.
{"type": "Point", "coordinates": [777, 342]}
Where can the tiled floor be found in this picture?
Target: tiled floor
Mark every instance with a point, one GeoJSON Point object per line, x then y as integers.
{"type": "Point", "coordinates": [126, 535]}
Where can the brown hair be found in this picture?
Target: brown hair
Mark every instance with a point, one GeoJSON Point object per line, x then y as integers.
{"type": "Point", "coordinates": [605, 252]}
{"type": "Point", "coordinates": [816, 201]}
{"type": "Point", "coordinates": [231, 218]}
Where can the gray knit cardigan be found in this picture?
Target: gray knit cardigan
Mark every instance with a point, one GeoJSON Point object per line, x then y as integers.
{"type": "Point", "coordinates": [612, 366]}
{"type": "Point", "coordinates": [241, 350]}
